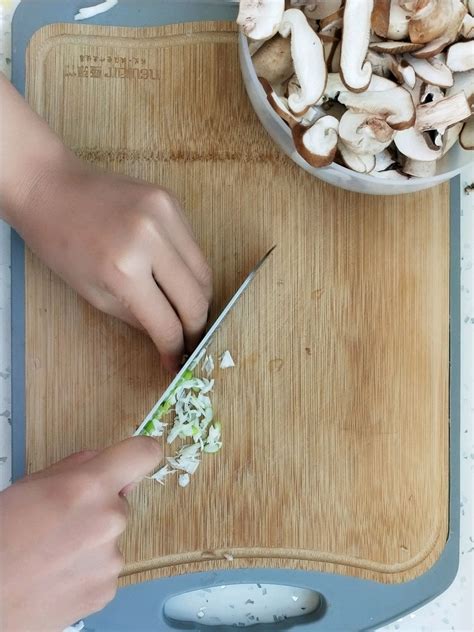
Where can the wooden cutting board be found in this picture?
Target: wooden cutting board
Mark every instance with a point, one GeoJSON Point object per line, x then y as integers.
{"type": "Point", "coordinates": [335, 420]}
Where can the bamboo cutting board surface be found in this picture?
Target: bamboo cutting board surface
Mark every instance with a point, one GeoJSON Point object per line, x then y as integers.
{"type": "Point", "coordinates": [335, 420]}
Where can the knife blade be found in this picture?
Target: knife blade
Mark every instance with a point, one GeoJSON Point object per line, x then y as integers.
{"type": "Point", "coordinates": [194, 358]}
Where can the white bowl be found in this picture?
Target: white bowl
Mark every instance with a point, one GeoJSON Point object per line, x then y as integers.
{"type": "Point", "coordinates": [448, 167]}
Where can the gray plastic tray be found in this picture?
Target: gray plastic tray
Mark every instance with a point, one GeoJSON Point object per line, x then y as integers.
{"type": "Point", "coordinates": [350, 604]}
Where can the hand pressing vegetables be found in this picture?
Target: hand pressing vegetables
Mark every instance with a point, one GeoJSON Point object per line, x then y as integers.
{"type": "Point", "coordinates": [368, 79]}
{"type": "Point", "coordinates": [59, 536]}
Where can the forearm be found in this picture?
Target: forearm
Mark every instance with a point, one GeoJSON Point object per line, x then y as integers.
{"type": "Point", "coordinates": [29, 153]}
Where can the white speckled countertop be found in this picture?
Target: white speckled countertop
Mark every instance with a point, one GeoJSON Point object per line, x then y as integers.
{"type": "Point", "coordinates": [452, 611]}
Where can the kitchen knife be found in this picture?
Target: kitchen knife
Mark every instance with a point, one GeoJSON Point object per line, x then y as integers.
{"type": "Point", "coordinates": [200, 350]}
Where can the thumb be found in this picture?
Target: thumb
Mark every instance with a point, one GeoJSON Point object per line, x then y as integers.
{"type": "Point", "coordinates": [126, 462]}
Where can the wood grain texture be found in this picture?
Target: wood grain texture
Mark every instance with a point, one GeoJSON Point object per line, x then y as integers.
{"type": "Point", "coordinates": [336, 417]}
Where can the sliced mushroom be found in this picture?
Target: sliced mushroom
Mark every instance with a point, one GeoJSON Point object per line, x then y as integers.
{"type": "Point", "coordinates": [364, 134]}
{"type": "Point", "coordinates": [334, 86]}
{"type": "Point", "coordinates": [416, 91]}
{"type": "Point", "coordinates": [390, 18]}
{"type": "Point", "coordinates": [308, 59]}
{"type": "Point", "coordinates": [384, 160]}
{"type": "Point", "coordinates": [380, 18]}
{"type": "Point", "coordinates": [279, 104]}
{"type": "Point", "coordinates": [433, 71]}
{"type": "Point", "coordinates": [260, 19]}
{"type": "Point", "coordinates": [451, 136]}
{"type": "Point", "coordinates": [332, 52]}
{"type": "Point", "coordinates": [456, 11]}
{"type": "Point", "coordinates": [463, 82]}
{"type": "Point", "coordinates": [467, 27]}
{"type": "Point", "coordinates": [395, 48]}
{"type": "Point", "coordinates": [355, 71]}
{"type": "Point", "coordinates": [399, 21]}
{"type": "Point", "coordinates": [460, 57]}
{"type": "Point", "coordinates": [415, 145]}
{"type": "Point", "coordinates": [273, 60]}
{"type": "Point", "coordinates": [408, 5]}
{"type": "Point", "coordinates": [430, 20]}
{"type": "Point", "coordinates": [317, 144]}
{"type": "Point", "coordinates": [381, 63]}
{"type": "Point", "coordinates": [404, 72]}
{"type": "Point", "coordinates": [332, 25]}
{"type": "Point", "coordinates": [433, 48]}
{"type": "Point", "coordinates": [420, 168]}
{"type": "Point", "coordinates": [322, 9]}
{"type": "Point", "coordinates": [430, 94]}
{"type": "Point", "coordinates": [395, 106]}
{"type": "Point", "coordinates": [362, 163]}
{"type": "Point", "coordinates": [466, 138]}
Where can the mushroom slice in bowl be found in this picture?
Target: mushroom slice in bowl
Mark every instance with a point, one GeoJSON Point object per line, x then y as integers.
{"type": "Point", "coordinates": [441, 114]}
{"type": "Point", "coordinates": [394, 47]}
{"type": "Point", "coordinates": [390, 19]}
{"type": "Point", "coordinates": [321, 9]}
{"type": "Point", "coordinates": [307, 53]}
{"type": "Point", "coordinates": [317, 144]}
{"type": "Point", "coordinates": [415, 145]}
{"type": "Point", "coordinates": [273, 60]}
{"type": "Point", "coordinates": [467, 27]}
{"type": "Point", "coordinates": [430, 20]}
{"type": "Point", "coordinates": [434, 71]}
{"type": "Point", "coordinates": [335, 85]}
{"type": "Point", "coordinates": [466, 138]}
{"type": "Point", "coordinates": [460, 57]}
{"type": "Point", "coordinates": [395, 105]}
{"type": "Point", "coordinates": [260, 19]}
{"type": "Point", "coordinates": [361, 163]}
{"type": "Point", "coordinates": [420, 168]}
{"type": "Point", "coordinates": [356, 72]}
{"type": "Point", "coordinates": [279, 103]}
{"type": "Point", "coordinates": [364, 134]}
{"type": "Point", "coordinates": [451, 136]}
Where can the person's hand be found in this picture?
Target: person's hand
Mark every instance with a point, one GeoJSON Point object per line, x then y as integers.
{"type": "Point", "coordinates": [125, 245]}
{"type": "Point", "coordinates": [128, 249]}
{"type": "Point", "coordinates": [59, 557]}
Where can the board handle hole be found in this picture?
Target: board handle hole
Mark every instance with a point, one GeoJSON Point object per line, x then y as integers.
{"type": "Point", "coordinates": [244, 605]}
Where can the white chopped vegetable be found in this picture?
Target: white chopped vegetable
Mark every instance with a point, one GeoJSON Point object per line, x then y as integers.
{"type": "Point", "coordinates": [162, 474]}
{"type": "Point", "coordinates": [213, 442]}
{"type": "Point", "coordinates": [195, 362]}
{"type": "Point", "coordinates": [227, 361]}
{"type": "Point", "coordinates": [184, 480]}
{"type": "Point", "coordinates": [186, 459]}
{"type": "Point", "coordinates": [191, 404]}
{"type": "Point", "coordinates": [158, 428]}
{"type": "Point", "coordinates": [208, 365]}
{"type": "Point", "coordinates": [89, 12]}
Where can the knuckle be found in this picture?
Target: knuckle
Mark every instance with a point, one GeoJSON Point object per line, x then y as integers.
{"type": "Point", "coordinates": [115, 524]}
{"type": "Point", "coordinates": [113, 273]}
{"type": "Point", "coordinates": [198, 310]}
{"type": "Point", "coordinates": [164, 203]}
{"type": "Point", "coordinates": [145, 225]}
{"type": "Point", "coordinates": [116, 564]}
{"type": "Point", "coordinates": [79, 489]}
{"type": "Point", "coordinates": [205, 275]}
{"type": "Point", "coordinates": [172, 334]}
